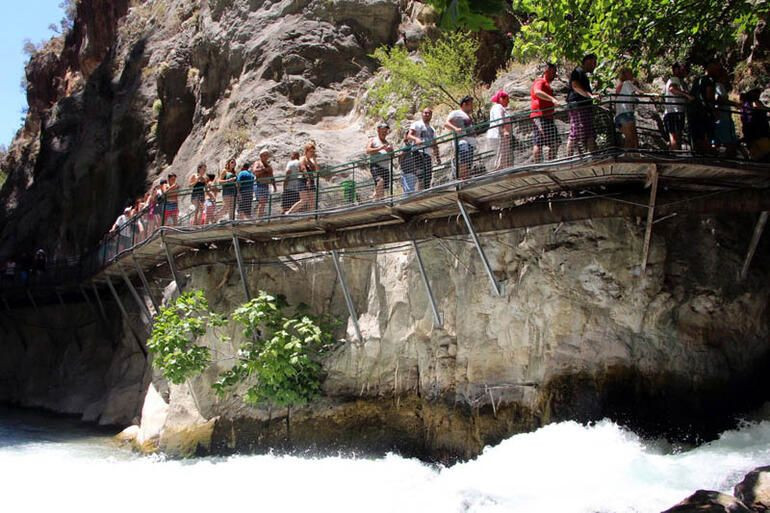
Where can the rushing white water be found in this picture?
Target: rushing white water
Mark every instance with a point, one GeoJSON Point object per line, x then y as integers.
{"type": "Point", "coordinates": [565, 467]}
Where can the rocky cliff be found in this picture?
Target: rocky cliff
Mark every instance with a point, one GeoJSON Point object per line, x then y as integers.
{"type": "Point", "coordinates": [140, 89]}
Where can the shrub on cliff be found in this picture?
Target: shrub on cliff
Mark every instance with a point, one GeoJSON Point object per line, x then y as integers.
{"type": "Point", "coordinates": [441, 75]}
{"type": "Point", "coordinates": [278, 362]}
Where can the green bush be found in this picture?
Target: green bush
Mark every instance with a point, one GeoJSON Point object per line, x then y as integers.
{"type": "Point", "coordinates": [441, 75]}
{"type": "Point", "coordinates": [279, 361]}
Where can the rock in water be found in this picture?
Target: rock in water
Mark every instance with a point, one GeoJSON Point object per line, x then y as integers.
{"type": "Point", "coordinates": [754, 490]}
{"type": "Point", "coordinates": [708, 501]}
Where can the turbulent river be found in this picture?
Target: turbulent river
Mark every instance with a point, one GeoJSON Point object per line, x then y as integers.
{"type": "Point", "coordinates": [58, 465]}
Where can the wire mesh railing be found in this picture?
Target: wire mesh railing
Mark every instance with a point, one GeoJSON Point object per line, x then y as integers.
{"type": "Point", "coordinates": [569, 133]}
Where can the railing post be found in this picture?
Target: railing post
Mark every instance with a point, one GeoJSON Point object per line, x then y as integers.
{"type": "Point", "coordinates": [317, 193]}
{"type": "Point", "coordinates": [163, 212]}
{"type": "Point", "coordinates": [390, 181]}
{"type": "Point", "coordinates": [456, 142]}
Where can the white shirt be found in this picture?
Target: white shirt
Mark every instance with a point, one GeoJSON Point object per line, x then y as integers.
{"type": "Point", "coordinates": [674, 103]}
{"type": "Point", "coordinates": [292, 175]}
{"type": "Point", "coordinates": [626, 100]}
{"type": "Point", "coordinates": [424, 132]}
{"type": "Point", "coordinates": [497, 112]}
{"type": "Point", "coordinates": [462, 120]}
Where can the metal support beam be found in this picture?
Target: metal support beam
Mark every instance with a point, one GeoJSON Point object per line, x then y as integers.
{"type": "Point", "coordinates": [172, 265]}
{"type": "Point", "coordinates": [32, 300]}
{"type": "Point", "coordinates": [125, 316]}
{"type": "Point", "coordinates": [139, 301]}
{"type": "Point", "coordinates": [88, 299]}
{"type": "Point", "coordinates": [758, 229]}
{"type": "Point", "coordinates": [437, 321]}
{"type": "Point", "coordinates": [241, 269]}
{"type": "Point", "coordinates": [99, 302]}
{"type": "Point", "coordinates": [145, 283]}
{"type": "Point", "coordinates": [496, 286]}
{"type": "Point", "coordinates": [5, 302]}
{"type": "Point", "coordinates": [58, 295]}
{"type": "Point", "coordinates": [346, 293]}
{"type": "Point", "coordinates": [650, 216]}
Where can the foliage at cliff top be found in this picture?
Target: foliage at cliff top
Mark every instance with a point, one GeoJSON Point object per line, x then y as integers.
{"type": "Point", "coordinates": [441, 75]}
{"type": "Point", "coordinates": [278, 362]}
{"type": "Point", "coordinates": [467, 14]}
{"type": "Point", "coordinates": [635, 32]}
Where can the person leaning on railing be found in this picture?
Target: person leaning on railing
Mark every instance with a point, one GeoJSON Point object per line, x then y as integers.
{"type": "Point", "coordinates": [210, 205]}
{"type": "Point", "coordinates": [263, 176]}
{"type": "Point", "coordinates": [542, 104]}
{"type": "Point", "coordinates": [291, 183]}
{"type": "Point", "coordinates": [460, 122]}
{"type": "Point", "coordinates": [198, 181]}
{"type": "Point", "coordinates": [724, 126]}
{"type": "Point", "coordinates": [171, 201]}
{"type": "Point", "coordinates": [378, 148]}
{"type": "Point", "coordinates": [245, 182]}
{"type": "Point", "coordinates": [625, 107]}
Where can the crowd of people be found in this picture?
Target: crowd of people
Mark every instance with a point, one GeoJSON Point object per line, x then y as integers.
{"type": "Point", "coordinates": [704, 110]}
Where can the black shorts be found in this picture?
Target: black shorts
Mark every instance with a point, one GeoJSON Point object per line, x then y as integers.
{"type": "Point", "coordinates": [545, 133]}
{"type": "Point", "coordinates": [701, 125]}
{"type": "Point", "coordinates": [380, 173]}
{"type": "Point", "coordinates": [245, 204]}
{"type": "Point", "coordinates": [289, 198]}
{"type": "Point", "coordinates": [674, 122]}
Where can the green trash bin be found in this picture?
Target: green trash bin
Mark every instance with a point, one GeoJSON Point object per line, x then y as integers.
{"type": "Point", "coordinates": [348, 191]}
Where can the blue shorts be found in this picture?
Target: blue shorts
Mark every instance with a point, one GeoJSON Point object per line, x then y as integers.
{"type": "Point", "coordinates": [624, 119]}
{"type": "Point", "coordinates": [262, 192]}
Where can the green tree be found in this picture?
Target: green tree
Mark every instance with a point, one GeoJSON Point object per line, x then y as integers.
{"type": "Point", "coordinates": [175, 333]}
{"type": "Point", "coordinates": [279, 360]}
{"type": "Point", "coordinates": [280, 356]}
{"type": "Point", "coordinates": [441, 75]}
{"type": "Point", "coordinates": [470, 15]}
{"type": "Point", "coordinates": [637, 33]}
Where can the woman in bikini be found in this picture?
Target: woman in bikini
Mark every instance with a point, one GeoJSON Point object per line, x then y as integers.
{"type": "Point", "coordinates": [198, 182]}
{"type": "Point", "coordinates": [227, 186]}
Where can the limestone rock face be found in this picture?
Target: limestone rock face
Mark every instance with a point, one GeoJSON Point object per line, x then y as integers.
{"type": "Point", "coordinates": [754, 490]}
{"type": "Point", "coordinates": [580, 333]}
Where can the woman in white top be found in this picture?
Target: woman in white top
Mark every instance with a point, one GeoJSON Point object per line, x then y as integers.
{"type": "Point", "coordinates": [625, 118]}
{"type": "Point", "coordinates": [499, 133]}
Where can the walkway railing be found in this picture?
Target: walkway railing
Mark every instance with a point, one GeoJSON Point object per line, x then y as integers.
{"type": "Point", "coordinates": [519, 141]}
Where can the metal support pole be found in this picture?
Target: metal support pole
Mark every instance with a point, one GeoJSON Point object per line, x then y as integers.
{"type": "Point", "coordinates": [758, 229]}
{"type": "Point", "coordinates": [125, 316]}
{"type": "Point", "coordinates": [241, 269]}
{"type": "Point", "coordinates": [496, 286]}
{"type": "Point", "coordinates": [32, 300]}
{"type": "Point", "coordinates": [99, 302]}
{"type": "Point", "coordinates": [145, 283]}
{"type": "Point", "coordinates": [172, 265]}
{"type": "Point", "coordinates": [650, 216]}
{"type": "Point", "coordinates": [88, 299]}
{"type": "Point", "coordinates": [346, 293]}
{"type": "Point", "coordinates": [437, 321]}
{"type": "Point", "coordinates": [140, 303]}
{"type": "Point", "coordinates": [58, 295]}
{"type": "Point", "coordinates": [5, 302]}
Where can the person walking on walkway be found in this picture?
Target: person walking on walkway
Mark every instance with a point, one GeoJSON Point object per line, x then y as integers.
{"type": "Point", "coordinates": [500, 133]}
{"type": "Point", "coordinates": [171, 201]}
{"type": "Point", "coordinates": [378, 148]}
{"type": "Point", "coordinates": [291, 183]}
{"type": "Point", "coordinates": [198, 182]}
{"type": "Point", "coordinates": [423, 136]}
{"type": "Point", "coordinates": [245, 181]}
{"type": "Point", "coordinates": [263, 175]}
{"type": "Point", "coordinates": [210, 205]}
{"type": "Point", "coordinates": [308, 167]}
{"type": "Point", "coordinates": [227, 183]}
{"type": "Point", "coordinates": [460, 122]}
{"type": "Point", "coordinates": [627, 90]}
{"type": "Point", "coordinates": [724, 127]}
{"type": "Point", "coordinates": [676, 97]}
{"type": "Point", "coordinates": [581, 115]}
{"type": "Point", "coordinates": [542, 104]}
{"type": "Point", "coordinates": [701, 113]}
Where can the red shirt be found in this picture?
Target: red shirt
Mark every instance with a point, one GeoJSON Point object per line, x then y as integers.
{"type": "Point", "coordinates": [538, 105]}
